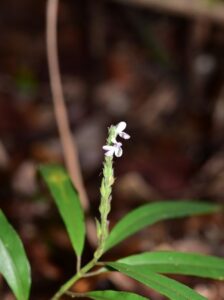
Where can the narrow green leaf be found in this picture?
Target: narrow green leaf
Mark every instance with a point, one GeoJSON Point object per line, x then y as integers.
{"type": "Point", "coordinates": [14, 265]}
{"type": "Point", "coordinates": [114, 295]}
{"type": "Point", "coordinates": [170, 262]}
{"type": "Point", "coordinates": [68, 204]}
{"type": "Point", "coordinates": [164, 285]}
{"type": "Point", "coordinates": [151, 213]}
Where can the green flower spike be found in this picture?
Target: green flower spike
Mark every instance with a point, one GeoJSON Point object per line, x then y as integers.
{"type": "Point", "coordinates": [112, 148]}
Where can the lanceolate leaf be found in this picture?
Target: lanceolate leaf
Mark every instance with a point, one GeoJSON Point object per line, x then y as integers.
{"type": "Point", "coordinates": [114, 295]}
{"type": "Point", "coordinates": [151, 213]}
{"type": "Point", "coordinates": [68, 204]}
{"type": "Point", "coordinates": [179, 263]}
{"type": "Point", "coordinates": [164, 285]}
{"type": "Point", "coordinates": [14, 265]}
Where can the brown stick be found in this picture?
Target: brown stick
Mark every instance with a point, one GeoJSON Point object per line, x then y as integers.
{"type": "Point", "coordinates": [68, 143]}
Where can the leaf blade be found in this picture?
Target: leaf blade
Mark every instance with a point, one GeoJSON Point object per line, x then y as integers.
{"type": "Point", "coordinates": [151, 213]}
{"type": "Point", "coordinates": [14, 264]}
{"type": "Point", "coordinates": [162, 284]}
{"type": "Point", "coordinates": [67, 202]}
{"type": "Point", "coordinates": [114, 295]}
{"type": "Point", "coordinates": [171, 262]}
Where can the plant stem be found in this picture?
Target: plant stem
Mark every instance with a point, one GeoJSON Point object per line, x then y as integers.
{"type": "Point", "coordinates": [67, 140]}
{"type": "Point", "coordinates": [63, 289]}
{"type": "Point", "coordinates": [78, 264]}
{"type": "Point", "coordinates": [94, 273]}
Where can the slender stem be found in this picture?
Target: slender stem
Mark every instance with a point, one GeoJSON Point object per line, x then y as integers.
{"type": "Point", "coordinates": [68, 143]}
{"type": "Point", "coordinates": [64, 288]}
{"type": "Point", "coordinates": [78, 264]}
{"type": "Point", "coordinates": [94, 273]}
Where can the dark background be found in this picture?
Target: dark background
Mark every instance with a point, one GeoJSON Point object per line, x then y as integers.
{"type": "Point", "coordinates": [158, 68]}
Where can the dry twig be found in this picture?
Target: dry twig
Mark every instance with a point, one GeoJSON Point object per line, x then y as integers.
{"type": "Point", "coordinates": [68, 143]}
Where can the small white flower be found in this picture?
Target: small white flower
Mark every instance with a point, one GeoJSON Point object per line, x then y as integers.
{"type": "Point", "coordinates": [113, 150]}
{"type": "Point", "coordinates": [119, 131]}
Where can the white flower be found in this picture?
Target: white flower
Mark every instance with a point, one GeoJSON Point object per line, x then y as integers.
{"type": "Point", "coordinates": [115, 149]}
{"type": "Point", "coordinates": [119, 131]}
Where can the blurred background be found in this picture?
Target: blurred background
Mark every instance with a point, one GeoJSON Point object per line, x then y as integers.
{"type": "Point", "coordinates": [159, 66]}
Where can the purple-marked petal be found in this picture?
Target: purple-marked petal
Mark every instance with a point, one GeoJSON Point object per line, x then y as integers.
{"type": "Point", "coordinates": [118, 152]}
{"type": "Point", "coordinates": [124, 135]}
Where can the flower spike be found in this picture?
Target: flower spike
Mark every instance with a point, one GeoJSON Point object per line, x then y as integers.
{"type": "Point", "coordinates": [111, 148]}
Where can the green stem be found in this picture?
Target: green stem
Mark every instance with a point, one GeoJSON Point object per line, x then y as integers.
{"type": "Point", "coordinates": [78, 264]}
{"type": "Point", "coordinates": [63, 289]}
{"type": "Point", "coordinates": [94, 273]}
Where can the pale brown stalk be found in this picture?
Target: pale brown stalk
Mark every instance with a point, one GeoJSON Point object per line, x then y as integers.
{"type": "Point", "coordinates": [67, 140]}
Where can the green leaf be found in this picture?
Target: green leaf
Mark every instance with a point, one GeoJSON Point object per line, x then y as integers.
{"type": "Point", "coordinates": [114, 295]}
{"type": "Point", "coordinates": [14, 265]}
{"type": "Point", "coordinates": [151, 213]}
{"type": "Point", "coordinates": [179, 263]}
{"type": "Point", "coordinates": [164, 285]}
{"type": "Point", "coordinates": [68, 204]}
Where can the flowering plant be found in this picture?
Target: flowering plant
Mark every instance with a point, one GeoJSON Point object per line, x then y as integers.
{"type": "Point", "coordinates": [147, 268]}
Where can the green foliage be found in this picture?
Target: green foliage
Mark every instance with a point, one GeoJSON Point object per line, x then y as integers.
{"type": "Point", "coordinates": [145, 267]}
{"type": "Point", "coordinates": [165, 286]}
{"type": "Point", "coordinates": [171, 262]}
{"type": "Point", "coordinates": [68, 204]}
{"type": "Point", "coordinates": [113, 295]}
{"type": "Point", "coordinates": [14, 265]}
{"type": "Point", "coordinates": [151, 213]}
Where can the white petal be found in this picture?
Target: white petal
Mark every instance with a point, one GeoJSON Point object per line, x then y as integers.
{"type": "Point", "coordinates": [121, 126]}
{"type": "Point", "coordinates": [107, 147]}
{"type": "Point", "coordinates": [118, 152]}
{"type": "Point", "coordinates": [110, 152]}
{"type": "Point", "coordinates": [124, 135]}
